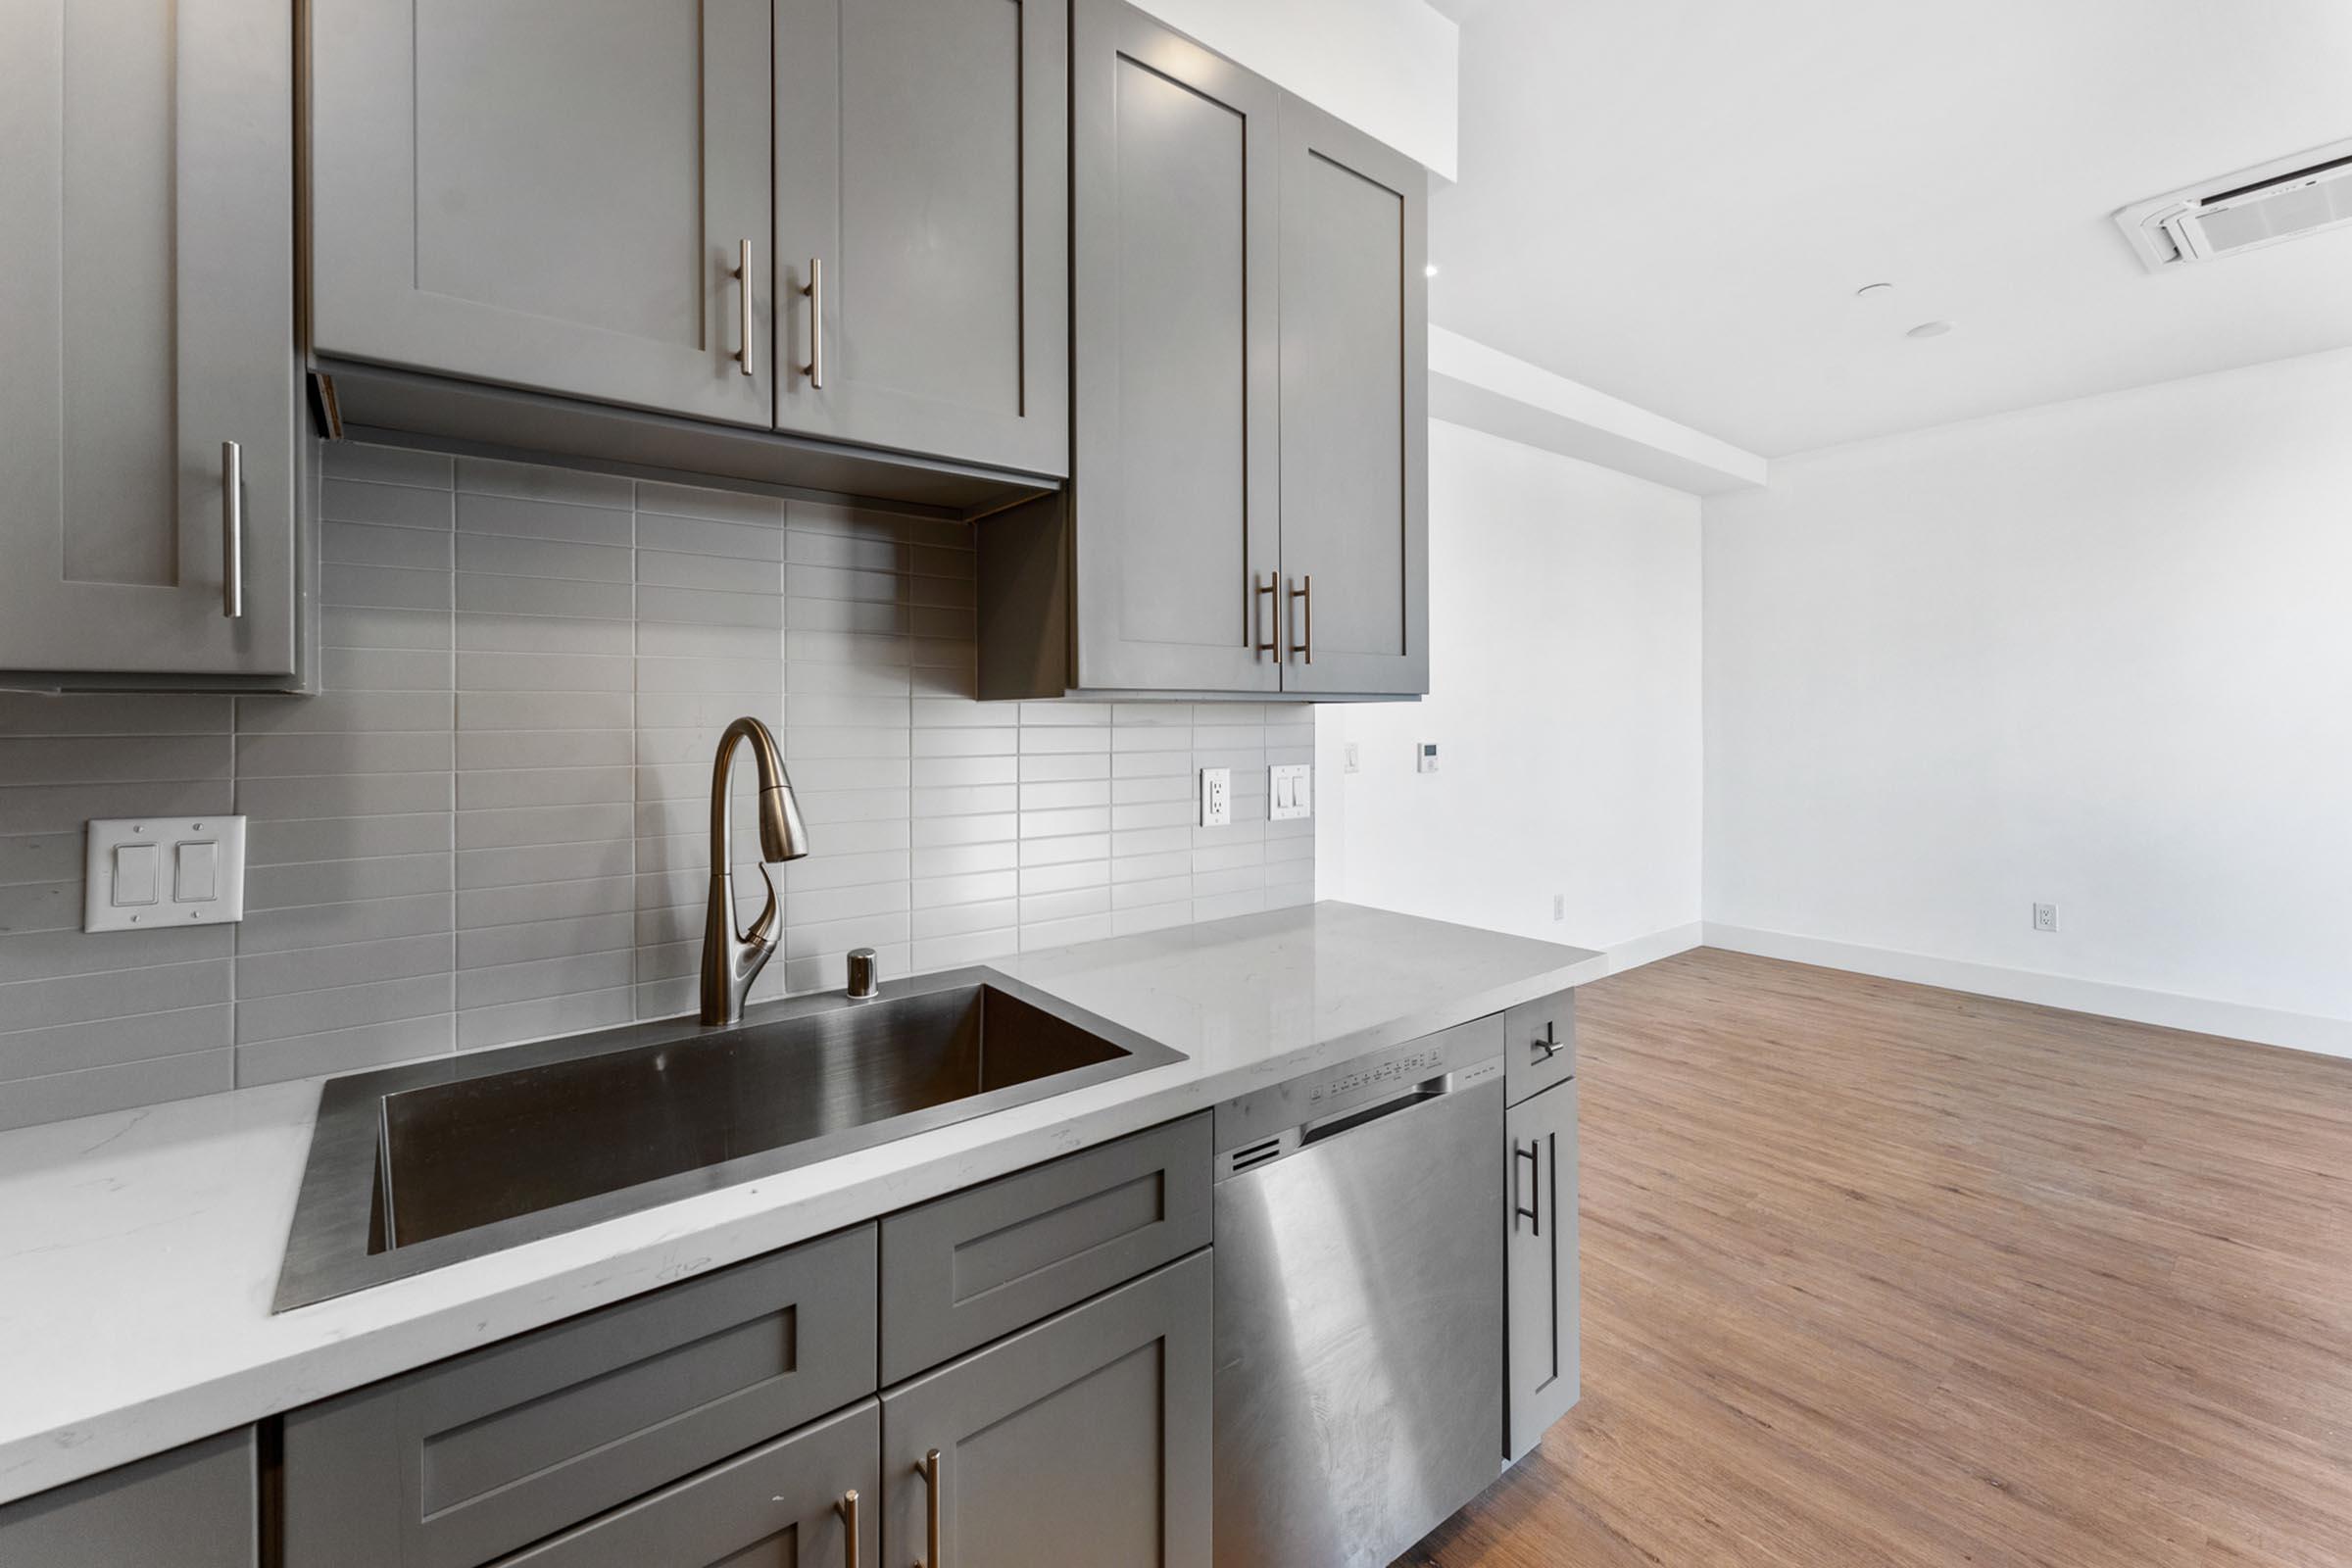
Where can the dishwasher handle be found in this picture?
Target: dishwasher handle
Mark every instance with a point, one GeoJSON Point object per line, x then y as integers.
{"type": "Point", "coordinates": [1348, 1121]}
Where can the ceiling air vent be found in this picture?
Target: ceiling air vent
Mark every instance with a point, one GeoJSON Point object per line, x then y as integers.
{"type": "Point", "coordinates": [2306, 194]}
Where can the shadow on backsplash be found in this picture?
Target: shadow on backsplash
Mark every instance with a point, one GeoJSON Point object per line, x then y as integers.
{"type": "Point", "coordinates": [492, 826]}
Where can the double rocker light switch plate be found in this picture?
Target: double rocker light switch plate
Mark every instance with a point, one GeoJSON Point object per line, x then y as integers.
{"type": "Point", "coordinates": [142, 872]}
{"type": "Point", "coordinates": [1290, 791]}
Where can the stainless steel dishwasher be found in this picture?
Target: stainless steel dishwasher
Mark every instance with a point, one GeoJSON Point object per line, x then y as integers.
{"type": "Point", "coordinates": [1359, 1303]}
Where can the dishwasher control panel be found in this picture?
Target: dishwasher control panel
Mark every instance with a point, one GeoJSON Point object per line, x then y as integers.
{"type": "Point", "coordinates": [1279, 1115]}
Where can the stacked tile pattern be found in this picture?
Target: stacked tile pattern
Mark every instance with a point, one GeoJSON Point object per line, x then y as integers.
{"type": "Point", "coordinates": [493, 825]}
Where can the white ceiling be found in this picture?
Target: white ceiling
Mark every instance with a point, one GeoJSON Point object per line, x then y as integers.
{"type": "Point", "coordinates": [1674, 201]}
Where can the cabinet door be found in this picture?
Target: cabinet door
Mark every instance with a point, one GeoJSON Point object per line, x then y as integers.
{"type": "Point", "coordinates": [146, 319]}
{"type": "Point", "coordinates": [788, 1504]}
{"type": "Point", "coordinates": [1355, 411]}
{"type": "Point", "coordinates": [1177, 392]}
{"type": "Point", "coordinates": [1084, 1439]}
{"type": "Point", "coordinates": [548, 193]}
{"type": "Point", "coordinates": [195, 1508]}
{"type": "Point", "coordinates": [1540, 1304]}
{"type": "Point", "coordinates": [922, 158]}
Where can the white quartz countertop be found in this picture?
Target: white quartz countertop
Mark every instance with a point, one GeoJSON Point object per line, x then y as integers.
{"type": "Point", "coordinates": [139, 1250]}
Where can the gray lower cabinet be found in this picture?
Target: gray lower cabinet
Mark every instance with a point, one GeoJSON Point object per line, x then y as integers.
{"type": "Point", "coordinates": [523, 193]}
{"type": "Point", "coordinates": [466, 1460]}
{"type": "Point", "coordinates": [1083, 1440]}
{"type": "Point", "coordinates": [193, 1507]}
{"type": "Point", "coordinates": [1354, 410]}
{"type": "Point", "coordinates": [790, 1503]}
{"type": "Point", "coordinates": [1540, 1371]}
{"type": "Point", "coordinates": [148, 471]}
{"type": "Point", "coordinates": [922, 226]}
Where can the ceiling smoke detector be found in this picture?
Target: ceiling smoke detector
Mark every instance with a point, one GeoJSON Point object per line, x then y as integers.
{"type": "Point", "coordinates": [2286, 199]}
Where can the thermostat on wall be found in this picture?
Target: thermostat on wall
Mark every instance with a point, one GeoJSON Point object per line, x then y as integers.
{"type": "Point", "coordinates": [1428, 756]}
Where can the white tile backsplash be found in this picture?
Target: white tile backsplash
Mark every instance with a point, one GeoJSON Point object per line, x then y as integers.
{"type": "Point", "coordinates": [492, 826]}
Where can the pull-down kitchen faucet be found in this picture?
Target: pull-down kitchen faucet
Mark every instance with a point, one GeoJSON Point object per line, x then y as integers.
{"type": "Point", "coordinates": [734, 960]}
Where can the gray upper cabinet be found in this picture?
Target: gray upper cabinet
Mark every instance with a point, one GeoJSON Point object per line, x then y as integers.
{"type": "Point", "coordinates": [1176, 488]}
{"type": "Point", "coordinates": [1084, 1439]}
{"type": "Point", "coordinates": [1354, 410]}
{"type": "Point", "coordinates": [1541, 1318]}
{"type": "Point", "coordinates": [922, 185]}
{"type": "Point", "coordinates": [563, 200]}
{"type": "Point", "coordinates": [146, 324]}
{"type": "Point", "coordinates": [1247, 514]}
{"type": "Point", "coordinates": [194, 1507]}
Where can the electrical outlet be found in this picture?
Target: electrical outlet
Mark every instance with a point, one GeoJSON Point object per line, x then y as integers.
{"type": "Point", "coordinates": [1559, 906]}
{"type": "Point", "coordinates": [1217, 796]}
{"type": "Point", "coordinates": [2045, 917]}
{"type": "Point", "coordinates": [1354, 765]}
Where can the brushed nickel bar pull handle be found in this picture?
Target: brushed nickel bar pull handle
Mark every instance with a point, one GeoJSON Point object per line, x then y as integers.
{"type": "Point", "coordinates": [1305, 596]}
{"type": "Point", "coordinates": [742, 271]}
{"type": "Point", "coordinates": [232, 530]}
{"type": "Point", "coordinates": [930, 1473]}
{"type": "Point", "coordinates": [1258, 594]}
{"type": "Point", "coordinates": [847, 1508]}
{"type": "Point", "coordinates": [814, 288]}
{"type": "Point", "coordinates": [1533, 1153]}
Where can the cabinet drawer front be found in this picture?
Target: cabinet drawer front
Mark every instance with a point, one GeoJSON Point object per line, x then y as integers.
{"type": "Point", "coordinates": [781, 1503]}
{"type": "Point", "coordinates": [970, 1267]}
{"type": "Point", "coordinates": [450, 1466]}
{"type": "Point", "coordinates": [1539, 1047]}
{"type": "Point", "coordinates": [1084, 1439]}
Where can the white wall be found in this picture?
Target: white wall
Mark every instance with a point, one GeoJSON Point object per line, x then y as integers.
{"type": "Point", "coordinates": [2097, 654]}
{"type": "Point", "coordinates": [1386, 65]}
{"type": "Point", "coordinates": [1564, 674]}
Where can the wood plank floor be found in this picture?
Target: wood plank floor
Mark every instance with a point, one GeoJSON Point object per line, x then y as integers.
{"type": "Point", "coordinates": [1878, 1274]}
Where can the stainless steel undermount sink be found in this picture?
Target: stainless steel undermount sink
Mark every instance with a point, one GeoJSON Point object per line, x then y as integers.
{"type": "Point", "coordinates": [413, 1169]}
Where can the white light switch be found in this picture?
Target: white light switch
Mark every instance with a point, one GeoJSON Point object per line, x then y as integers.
{"type": "Point", "coordinates": [1290, 791]}
{"type": "Point", "coordinates": [198, 872]}
{"type": "Point", "coordinates": [135, 874]}
{"type": "Point", "coordinates": [143, 872]}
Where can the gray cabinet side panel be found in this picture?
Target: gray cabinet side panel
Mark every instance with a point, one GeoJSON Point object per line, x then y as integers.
{"type": "Point", "coordinates": [1541, 1348]}
{"type": "Point", "coordinates": [1177, 393]}
{"type": "Point", "coordinates": [1354, 424]}
{"type": "Point", "coordinates": [194, 1507]}
{"type": "Point", "coordinates": [967, 1268]}
{"type": "Point", "coordinates": [1084, 1439]}
{"type": "Point", "coordinates": [921, 154]}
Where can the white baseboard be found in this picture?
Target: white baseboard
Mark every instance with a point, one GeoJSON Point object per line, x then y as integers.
{"type": "Point", "coordinates": [2234, 1021]}
{"type": "Point", "coordinates": [1635, 952]}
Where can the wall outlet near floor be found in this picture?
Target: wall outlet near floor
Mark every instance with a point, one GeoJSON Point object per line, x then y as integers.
{"type": "Point", "coordinates": [2045, 917]}
{"type": "Point", "coordinates": [1217, 796]}
{"type": "Point", "coordinates": [142, 872]}
{"type": "Point", "coordinates": [1290, 791]}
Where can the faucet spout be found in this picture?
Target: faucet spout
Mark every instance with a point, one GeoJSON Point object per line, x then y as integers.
{"type": "Point", "coordinates": [732, 959]}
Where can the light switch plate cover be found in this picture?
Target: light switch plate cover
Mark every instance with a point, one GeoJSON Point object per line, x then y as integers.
{"type": "Point", "coordinates": [1290, 791]}
{"type": "Point", "coordinates": [156, 845]}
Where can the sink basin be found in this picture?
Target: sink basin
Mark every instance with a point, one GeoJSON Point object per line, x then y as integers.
{"type": "Point", "coordinates": [415, 1167]}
